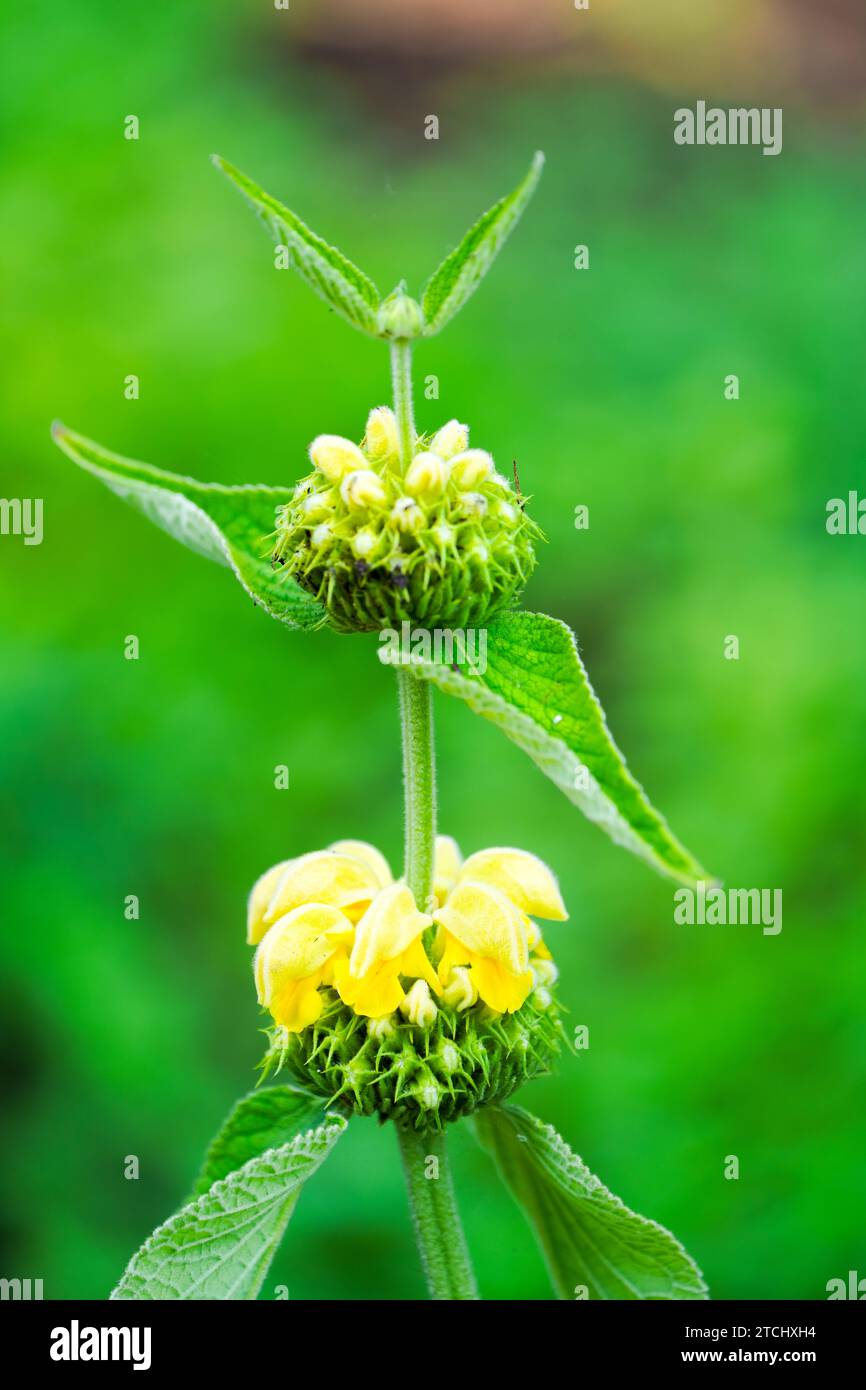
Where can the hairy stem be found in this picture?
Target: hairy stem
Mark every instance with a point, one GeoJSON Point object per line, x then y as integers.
{"type": "Point", "coordinates": [401, 380]}
{"type": "Point", "coordinates": [438, 1232]}
{"type": "Point", "coordinates": [440, 1238]}
{"type": "Point", "coordinates": [419, 784]}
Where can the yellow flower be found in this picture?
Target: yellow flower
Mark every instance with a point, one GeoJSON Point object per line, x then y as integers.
{"type": "Point", "coordinates": [369, 855]}
{"type": "Point", "coordinates": [259, 900]}
{"type": "Point", "coordinates": [336, 919]}
{"type": "Point", "coordinates": [387, 945]}
{"type": "Point", "coordinates": [303, 950]}
{"type": "Point", "coordinates": [325, 876]}
{"type": "Point", "coordinates": [446, 867]}
{"type": "Point", "coordinates": [483, 929]}
{"type": "Point", "coordinates": [521, 877]}
{"type": "Point", "coordinates": [484, 923]}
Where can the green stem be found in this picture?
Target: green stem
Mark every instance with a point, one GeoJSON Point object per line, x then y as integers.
{"type": "Point", "coordinates": [438, 1232]}
{"type": "Point", "coordinates": [419, 784]}
{"type": "Point", "coordinates": [401, 380]}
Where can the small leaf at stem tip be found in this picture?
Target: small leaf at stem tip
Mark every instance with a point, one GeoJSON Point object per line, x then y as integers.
{"type": "Point", "coordinates": [326, 270]}
{"type": "Point", "coordinates": [462, 271]}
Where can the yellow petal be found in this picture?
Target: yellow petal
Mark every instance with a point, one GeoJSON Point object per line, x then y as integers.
{"type": "Point", "coordinates": [487, 923]}
{"type": "Point", "coordinates": [369, 855]}
{"type": "Point", "coordinates": [323, 877]}
{"type": "Point", "coordinates": [522, 877]}
{"type": "Point", "coordinates": [453, 954]}
{"type": "Point", "coordinates": [297, 1005]}
{"type": "Point", "coordinates": [500, 988]}
{"type": "Point", "coordinates": [297, 946]}
{"type": "Point", "coordinates": [415, 963]}
{"type": "Point", "coordinates": [387, 929]}
{"type": "Point", "coordinates": [446, 866]}
{"type": "Point", "coordinates": [260, 897]}
{"type": "Point", "coordinates": [377, 994]}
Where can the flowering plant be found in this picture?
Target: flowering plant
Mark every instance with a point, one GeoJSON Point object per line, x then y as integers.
{"type": "Point", "coordinates": [428, 998]}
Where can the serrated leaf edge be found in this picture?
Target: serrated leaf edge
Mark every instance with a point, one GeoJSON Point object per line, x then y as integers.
{"type": "Point", "coordinates": [65, 439]}
{"type": "Point", "coordinates": [493, 707]}
{"type": "Point", "coordinates": [328, 1132]}
{"type": "Point", "coordinates": [580, 1173]}
{"type": "Point", "coordinates": [270, 210]}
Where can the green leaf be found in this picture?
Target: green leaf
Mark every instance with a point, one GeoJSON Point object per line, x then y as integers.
{"type": "Point", "coordinates": [232, 525]}
{"type": "Point", "coordinates": [325, 269]}
{"type": "Point", "coordinates": [220, 1245]}
{"type": "Point", "coordinates": [462, 271]}
{"type": "Point", "coordinates": [588, 1237]}
{"type": "Point", "coordinates": [536, 690]}
{"type": "Point", "coordinates": [262, 1120]}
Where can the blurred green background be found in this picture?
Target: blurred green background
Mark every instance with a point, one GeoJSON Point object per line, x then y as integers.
{"type": "Point", "coordinates": [155, 777]}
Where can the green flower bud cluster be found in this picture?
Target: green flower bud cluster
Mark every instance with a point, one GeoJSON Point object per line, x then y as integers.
{"type": "Point", "coordinates": [417, 1075]}
{"type": "Point", "coordinates": [444, 543]}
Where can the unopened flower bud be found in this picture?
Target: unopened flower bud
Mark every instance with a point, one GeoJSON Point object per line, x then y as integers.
{"type": "Point", "coordinates": [542, 998]}
{"type": "Point", "coordinates": [418, 1006]}
{"type": "Point", "coordinates": [460, 992]}
{"type": "Point", "coordinates": [317, 505]}
{"type": "Point", "coordinates": [381, 439]}
{"type": "Point", "coordinates": [428, 1096]}
{"type": "Point", "coordinates": [322, 534]}
{"type": "Point", "coordinates": [506, 511]}
{"type": "Point", "coordinates": [381, 1028]}
{"type": "Point", "coordinates": [427, 476]}
{"type": "Point", "coordinates": [335, 456]}
{"type": "Point", "coordinates": [364, 542]}
{"type": "Point", "coordinates": [474, 503]}
{"type": "Point", "coordinates": [449, 1056]}
{"type": "Point", "coordinates": [443, 533]}
{"type": "Point", "coordinates": [544, 971]}
{"type": "Point", "coordinates": [452, 439]}
{"type": "Point", "coordinates": [400, 316]}
{"type": "Point", "coordinates": [471, 467]}
{"type": "Point", "coordinates": [407, 515]}
{"type": "Point", "coordinates": [361, 489]}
